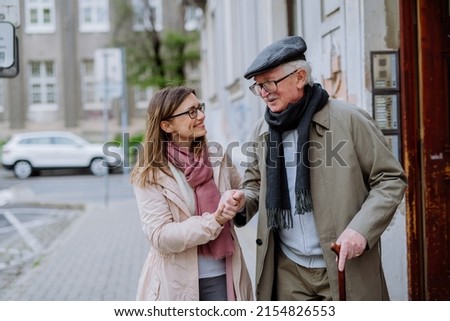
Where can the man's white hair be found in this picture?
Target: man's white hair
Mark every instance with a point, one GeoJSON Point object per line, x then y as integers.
{"type": "Point", "coordinates": [300, 64]}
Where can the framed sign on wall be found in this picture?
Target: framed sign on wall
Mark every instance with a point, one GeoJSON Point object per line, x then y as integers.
{"type": "Point", "coordinates": [386, 97]}
{"type": "Point", "coordinates": [385, 74]}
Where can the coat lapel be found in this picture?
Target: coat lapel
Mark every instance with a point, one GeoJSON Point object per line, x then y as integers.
{"type": "Point", "coordinates": [216, 163]}
{"type": "Point", "coordinates": [321, 120]}
{"type": "Point", "coordinates": [172, 191]}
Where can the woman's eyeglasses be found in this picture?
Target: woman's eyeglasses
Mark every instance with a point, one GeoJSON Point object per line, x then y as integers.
{"type": "Point", "coordinates": [191, 112]}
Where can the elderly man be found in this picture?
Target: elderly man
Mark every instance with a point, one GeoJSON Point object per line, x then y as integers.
{"type": "Point", "coordinates": [324, 174]}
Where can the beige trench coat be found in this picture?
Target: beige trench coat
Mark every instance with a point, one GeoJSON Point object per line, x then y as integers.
{"type": "Point", "coordinates": [358, 185]}
{"type": "Point", "coordinates": [170, 272]}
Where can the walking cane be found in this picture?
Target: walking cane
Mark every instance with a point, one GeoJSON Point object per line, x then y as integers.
{"type": "Point", "coordinates": [336, 248]}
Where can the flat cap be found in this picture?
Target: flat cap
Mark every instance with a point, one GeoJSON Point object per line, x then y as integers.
{"type": "Point", "coordinates": [282, 51]}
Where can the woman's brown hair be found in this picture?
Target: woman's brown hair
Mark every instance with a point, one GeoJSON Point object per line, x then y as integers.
{"type": "Point", "coordinates": [153, 156]}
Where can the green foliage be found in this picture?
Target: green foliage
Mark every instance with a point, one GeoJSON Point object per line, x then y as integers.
{"type": "Point", "coordinates": [154, 58]}
{"type": "Point", "coordinates": [135, 138]}
{"type": "Point", "coordinates": [158, 69]}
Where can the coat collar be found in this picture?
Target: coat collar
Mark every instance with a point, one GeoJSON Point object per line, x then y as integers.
{"type": "Point", "coordinates": [321, 119]}
{"type": "Point", "coordinates": [172, 191]}
{"type": "Point", "coordinates": [215, 161]}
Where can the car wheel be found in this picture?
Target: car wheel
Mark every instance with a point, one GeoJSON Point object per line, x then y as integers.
{"type": "Point", "coordinates": [97, 168]}
{"type": "Point", "coordinates": [23, 169]}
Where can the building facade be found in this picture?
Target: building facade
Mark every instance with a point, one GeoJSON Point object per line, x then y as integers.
{"type": "Point", "coordinates": [57, 86]}
{"type": "Point", "coordinates": [387, 57]}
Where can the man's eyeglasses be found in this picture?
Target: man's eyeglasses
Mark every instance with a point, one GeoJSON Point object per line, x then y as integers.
{"type": "Point", "coordinates": [269, 86]}
{"type": "Point", "coordinates": [191, 112]}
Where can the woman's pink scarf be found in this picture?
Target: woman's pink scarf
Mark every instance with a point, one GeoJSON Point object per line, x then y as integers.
{"type": "Point", "coordinates": [199, 175]}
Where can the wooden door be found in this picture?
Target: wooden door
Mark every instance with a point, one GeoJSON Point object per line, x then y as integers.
{"type": "Point", "coordinates": [445, 35]}
{"type": "Point", "coordinates": [425, 73]}
{"type": "Point", "coordinates": [433, 66]}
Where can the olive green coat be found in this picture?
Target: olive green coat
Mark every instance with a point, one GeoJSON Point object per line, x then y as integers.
{"type": "Point", "coordinates": [356, 182]}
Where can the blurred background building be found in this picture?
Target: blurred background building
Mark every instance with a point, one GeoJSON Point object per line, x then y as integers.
{"type": "Point", "coordinates": [57, 87]}
{"type": "Point", "coordinates": [391, 58]}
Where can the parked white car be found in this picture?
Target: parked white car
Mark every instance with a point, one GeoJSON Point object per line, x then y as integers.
{"type": "Point", "coordinates": [27, 153]}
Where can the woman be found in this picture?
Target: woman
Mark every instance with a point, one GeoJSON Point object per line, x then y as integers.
{"type": "Point", "coordinates": [194, 251]}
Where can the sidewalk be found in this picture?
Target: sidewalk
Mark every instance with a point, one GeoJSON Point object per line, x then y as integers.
{"type": "Point", "coordinates": [98, 258]}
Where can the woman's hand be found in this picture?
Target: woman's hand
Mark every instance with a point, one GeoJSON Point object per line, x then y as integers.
{"type": "Point", "coordinates": [223, 216]}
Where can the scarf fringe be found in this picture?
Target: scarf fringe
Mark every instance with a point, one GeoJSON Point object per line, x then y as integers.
{"type": "Point", "coordinates": [303, 202]}
{"type": "Point", "coordinates": [279, 219]}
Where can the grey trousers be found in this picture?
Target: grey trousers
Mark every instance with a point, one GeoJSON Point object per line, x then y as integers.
{"type": "Point", "coordinates": [213, 289]}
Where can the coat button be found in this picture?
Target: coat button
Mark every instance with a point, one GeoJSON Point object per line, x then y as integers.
{"type": "Point", "coordinates": [259, 242]}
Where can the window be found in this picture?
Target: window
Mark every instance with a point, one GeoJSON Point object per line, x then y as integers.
{"type": "Point", "coordinates": [63, 141]}
{"type": "Point", "coordinates": [43, 92]}
{"type": "Point", "coordinates": [88, 81]}
{"type": "Point", "coordinates": [93, 15]}
{"type": "Point", "coordinates": [192, 18]}
{"type": "Point", "coordinates": [2, 96]}
{"type": "Point", "coordinates": [88, 86]}
{"type": "Point", "coordinates": [233, 51]}
{"type": "Point", "coordinates": [40, 16]}
{"type": "Point", "coordinates": [36, 141]}
{"type": "Point", "coordinates": [142, 97]}
{"type": "Point", "coordinates": [144, 11]}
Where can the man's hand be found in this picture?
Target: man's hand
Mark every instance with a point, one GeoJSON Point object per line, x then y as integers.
{"type": "Point", "coordinates": [352, 245]}
{"type": "Point", "coordinates": [233, 199]}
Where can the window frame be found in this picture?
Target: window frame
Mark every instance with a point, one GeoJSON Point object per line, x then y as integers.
{"type": "Point", "coordinates": [142, 97]}
{"type": "Point", "coordinates": [41, 79]}
{"type": "Point", "coordinates": [40, 26]}
{"type": "Point", "coordinates": [90, 98]}
{"type": "Point", "coordinates": [96, 24]}
{"type": "Point", "coordinates": [2, 96]}
{"type": "Point", "coordinates": [140, 13]}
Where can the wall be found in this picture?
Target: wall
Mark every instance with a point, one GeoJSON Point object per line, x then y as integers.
{"type": "Point", "coordinates": [382, 32]}
{"type": "Point", "coordinates": [340, 35]}
{"type": "Point", "coordinates": [233, 34]}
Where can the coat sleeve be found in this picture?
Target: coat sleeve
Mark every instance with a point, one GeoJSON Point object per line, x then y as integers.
{"type": "Point", "coordinates": [233, 174]}
{"type": "Point", "coordinates": [166, 234]}
{"type": "Point", "coordinates": [384, 175]}
{"type": "Point", "coordinates": [252, 175]}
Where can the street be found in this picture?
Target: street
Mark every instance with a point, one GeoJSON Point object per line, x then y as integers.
{"type": "Point", "coordinates": [69, 186]}
{"type": "Point", "coordinates": [69, 236]}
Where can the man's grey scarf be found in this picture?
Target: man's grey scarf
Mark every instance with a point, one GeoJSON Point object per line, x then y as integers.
{"type": "Point", "coordinates": [297, 115]}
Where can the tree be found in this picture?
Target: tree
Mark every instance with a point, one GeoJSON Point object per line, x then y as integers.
{"type": "Point", "coordinates": [156, 57]}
